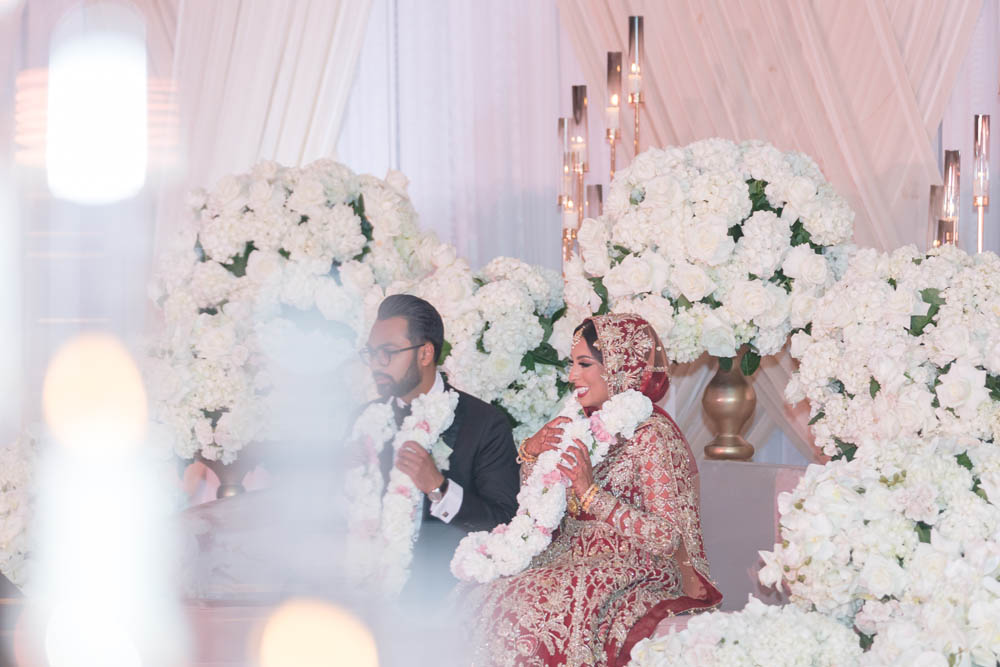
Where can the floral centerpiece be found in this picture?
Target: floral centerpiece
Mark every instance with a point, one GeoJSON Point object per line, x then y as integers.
{"type": "Point", "coordinates": [759, 636]}
{"type": "Point", "coordinates": [717, 245]}
{"type": "Point", "coordinates": [905, 345]}
{"type": "Point", "coordinates": [266, 250]}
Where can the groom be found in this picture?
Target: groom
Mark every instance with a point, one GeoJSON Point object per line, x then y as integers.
{"type": "Point", "coordinates": [479, 489]}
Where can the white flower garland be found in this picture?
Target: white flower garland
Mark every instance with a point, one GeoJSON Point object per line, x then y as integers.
{"type": "Point", "coordinates": [383, 527]}
{"type": "Point", "coordinates": [508, 549]}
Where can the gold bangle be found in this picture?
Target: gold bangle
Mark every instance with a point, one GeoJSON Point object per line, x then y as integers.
{"type": "Point", "coordinates": [588, 497]}
{"type": "Point", "coordinates": [572, 504]}
{"type": "Point", "coordinates": [523, 456]}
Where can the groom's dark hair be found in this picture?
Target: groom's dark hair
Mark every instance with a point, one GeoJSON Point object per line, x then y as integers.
{"type": "Point", "coordinates": [423, 322]}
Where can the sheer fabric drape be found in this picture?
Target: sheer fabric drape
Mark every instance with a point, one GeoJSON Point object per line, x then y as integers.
{"type": "Point", "coordinates": [860, 86]}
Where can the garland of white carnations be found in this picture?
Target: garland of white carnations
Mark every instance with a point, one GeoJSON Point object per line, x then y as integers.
{"type": "Point", "coordinates": [757, 636]}
{"type": "Point", "coordinates": [382, 528]}
{"type": "Point", "coordinates": [508, 549]}
{"type": "Point", "coordinates": [716, 245]}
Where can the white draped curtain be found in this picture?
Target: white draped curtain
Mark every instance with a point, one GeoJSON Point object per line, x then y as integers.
{"type": "Point", "coordinates": [859, 85]}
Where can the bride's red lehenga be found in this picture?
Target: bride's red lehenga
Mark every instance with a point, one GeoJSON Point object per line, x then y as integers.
{"type": "Point", "coordinates": [612, 574]}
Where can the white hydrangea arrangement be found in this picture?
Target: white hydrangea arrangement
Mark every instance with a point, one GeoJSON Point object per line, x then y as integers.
{"type": "Point", "coordinates": [265, 250]}
{"type": "Point", "coordinates": [900, 534]}
{"type": "Point", "coordinates": [717, 245]}
{"type": "Point", "coordinates": [498, 325]}
{"type": "Point", "coordinates": [17, 462]}
{"type": "Point", "coordinates": [757, 636]}
{"type": "Point", "coordinates": [276, 246]}
{"type": "Point", "coordinates": [905, 345]}
{"type": "Point", "coordinates": [899, 542]}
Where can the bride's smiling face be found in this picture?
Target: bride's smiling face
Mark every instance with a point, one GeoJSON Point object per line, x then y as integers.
{"type": "Point", "coordinates": [585, 375]}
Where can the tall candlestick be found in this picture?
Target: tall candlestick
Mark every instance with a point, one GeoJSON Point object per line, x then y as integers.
{"type": "Point", "coordinates": [565, 176]}
{"type": "Point", "coordinates": [950, 207]}
{"type": "Point", "coordinates": [595, 200]}
{"type": "Point", "coordinates": [613, 112]}
{"type": "Point", "coordinates": [636, 58]}
{"type": "Point", "coordinates": [934, 207]}
{"type": "Point", "coordinates": [980, 171]}
{"type": "Point", "coordinates": [579, 130]}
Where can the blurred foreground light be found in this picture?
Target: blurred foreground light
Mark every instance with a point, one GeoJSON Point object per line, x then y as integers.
{"type": "Point", "coordinates": [77, 637]}
{"type": "Point", "coordinates": [93, 397]}
{"type": "Point", "coordinates": [308, 633]}
{"type": "Point", "coordinates": [96, 122]}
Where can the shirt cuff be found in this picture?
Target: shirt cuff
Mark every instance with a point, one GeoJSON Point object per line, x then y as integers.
{"type": "Point", "coordinates": [446, 508]}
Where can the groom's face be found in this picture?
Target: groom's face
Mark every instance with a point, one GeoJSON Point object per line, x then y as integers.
{"type": "Point", "coordinates": [395, 373]}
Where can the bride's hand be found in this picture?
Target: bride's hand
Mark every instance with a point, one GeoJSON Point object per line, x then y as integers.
{"type": "Point", "coordinates": [575, 465]}
{"type": "Point", "coordinates": [547, 437]}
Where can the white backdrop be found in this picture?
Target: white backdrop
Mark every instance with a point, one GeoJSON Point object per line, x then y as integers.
{"type": "Point", "coordinates": [464, 96]}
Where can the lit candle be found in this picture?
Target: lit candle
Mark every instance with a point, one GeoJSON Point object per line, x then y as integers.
{"type": "Point", "coordinates": [569, 216]}
{"type": "Point", "coordinates": [950, 209]}
{"type": "Point", "coordinates": [579, 133]}
{"type": "Point", "coordinates": [981, 160]}
{"type": "Point", "coordinates": [636, 46]}
{"type": "Point", "coordinates": [613, 111]}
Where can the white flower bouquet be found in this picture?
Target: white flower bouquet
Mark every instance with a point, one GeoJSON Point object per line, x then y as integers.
{"type": "Point", "coordinates": [904, 345]}
{"type": "Point", "coordinates": [265, 251]}
{"type": "Point", "coordinates": [717, 245]}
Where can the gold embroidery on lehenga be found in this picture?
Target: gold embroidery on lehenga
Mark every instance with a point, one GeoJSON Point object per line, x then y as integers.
{"type": "Point", "coordinates": [603, 573]}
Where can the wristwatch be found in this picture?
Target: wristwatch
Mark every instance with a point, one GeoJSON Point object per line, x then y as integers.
{"type": "Point", "coordinates": [437, 494]}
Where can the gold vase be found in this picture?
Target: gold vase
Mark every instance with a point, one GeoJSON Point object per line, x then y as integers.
{"type": "Point", "coordinates": [230, 474]}
{"type": "Point", "coordinates": [729, 401]}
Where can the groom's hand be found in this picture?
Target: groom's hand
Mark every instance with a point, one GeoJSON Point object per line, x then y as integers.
{"type": "Point", "coordinates": [416, 462]}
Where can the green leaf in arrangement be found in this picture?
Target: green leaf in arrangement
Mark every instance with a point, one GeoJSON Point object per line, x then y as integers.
{"type": "Point", "coordinates": [682, 302]}
{"type": "Point", "coordinates": [736, 231]}
{"type": "Point", "coordinates": [873, 387]}
{"type": "Point", "coordinates": [964, 460]}
{"type": "Point", "coordinates": [800, 234]}
{"type": "Point", "coordinates": [602, 292]}
{"type": "Point", "coordinates": [284, 253]}
{"type": "Point", "coordinates": [923, 532]}
{"type": "Point", "coordinates": [819, 415]}
{"type": "Point", "coordinates": [238, 265]}
{"type": "Point", "coordinates": [837, 386]}
{"type": "Point", "coordinates": [750, 362]}
{"type": "Point", "coordinates": [993, 384]}
{"type": "Point", "coordinates": [846, 450]}
{"type": "Point", "coordinates": [445, 351]}
{"type": "Point", "coordinates": [725, 364]}
{"type": "Point", "coordinates": [758, 197]}
{"type": "Point", "coordinates": [893, 283]}
{"type": "Point", "coordinates": [528, 361]}
{"type": "Point", "coordinates": [712, 302]}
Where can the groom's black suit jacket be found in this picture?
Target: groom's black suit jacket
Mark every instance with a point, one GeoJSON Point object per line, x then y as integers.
{"type": "Point", "coordinates": [483, 462]}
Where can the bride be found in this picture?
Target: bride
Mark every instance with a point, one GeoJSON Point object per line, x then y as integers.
{"type": "Point", "coordinates": [629, 552]}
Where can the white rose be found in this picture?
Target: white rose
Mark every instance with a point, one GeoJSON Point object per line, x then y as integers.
{"type": "Point", "coordinates": [262, 265]}
{"type": "Point", "coordinates": [717, 336]}
{"type": "Point", "coordinates": [593, 238]}
{"type": "Point", "coordinates": [748, 299]}
{"type": "Point", "coordinates": [801, 263]}
{"type": "Point", "coordinates": [632, 276]}
{"type": "Point", "coordinates": [691, 281]}
{"type": "Point", "coordinates": [708, 241]}
{"type": "Point", "coordinates": [882, 576]}
{"type": "Point", "coordinates": [952, 342]}
{"type": "Point", "coordinates": [802, 307]}
{"type": "Point", "coordinates": [963, 388]}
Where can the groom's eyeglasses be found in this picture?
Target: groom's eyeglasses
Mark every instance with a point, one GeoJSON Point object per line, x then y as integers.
{"type": "Point", "coordinates": [382, 356]}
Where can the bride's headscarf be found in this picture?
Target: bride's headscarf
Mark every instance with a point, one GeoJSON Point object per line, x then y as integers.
{"type": "Point", "coordinates": [633, 356]}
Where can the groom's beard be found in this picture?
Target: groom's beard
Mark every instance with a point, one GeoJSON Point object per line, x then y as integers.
{"type": "Point", "coordinates": [404, 386]}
